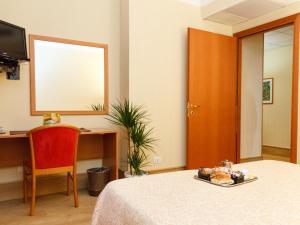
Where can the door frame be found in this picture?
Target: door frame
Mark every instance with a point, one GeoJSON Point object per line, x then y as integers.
{"type": "Point", "coordinates": [290, 20]}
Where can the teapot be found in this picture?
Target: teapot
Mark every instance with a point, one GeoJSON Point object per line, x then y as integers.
{"type": "Point", "coordinates": [226, 163]}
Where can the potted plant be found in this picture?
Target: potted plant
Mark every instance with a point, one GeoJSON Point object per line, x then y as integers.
{"type": "Point", "coordinates": [134, 120]}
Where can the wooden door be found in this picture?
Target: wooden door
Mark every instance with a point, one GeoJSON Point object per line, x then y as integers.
{"type": "Point", "coordinates": [212, 99]}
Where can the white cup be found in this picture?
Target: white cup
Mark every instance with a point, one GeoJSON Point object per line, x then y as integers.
{"type": "Point", "coordinates": [1, 130]}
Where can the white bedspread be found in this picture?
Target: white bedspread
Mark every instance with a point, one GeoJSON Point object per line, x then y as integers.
{"type": "Point", "coordinates": [178, 199]}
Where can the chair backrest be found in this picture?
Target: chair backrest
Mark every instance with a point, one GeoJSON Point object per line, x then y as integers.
{"type": "Point", "coordinates": [53, 146]}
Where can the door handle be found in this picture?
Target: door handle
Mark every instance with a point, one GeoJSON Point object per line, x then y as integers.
{"type": "Point", "coordinates": [191, 106]}
{"type": "Point", "coordinates": [191, 109]}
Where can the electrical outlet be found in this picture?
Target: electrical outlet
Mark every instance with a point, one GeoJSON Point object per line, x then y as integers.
{"type": "Point", "coordinates": [156, 160]}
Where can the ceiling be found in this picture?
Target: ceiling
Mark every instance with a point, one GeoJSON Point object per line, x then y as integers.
{"type": "Point", "coordinates": [238, 11]}
{"type": "Point", "coordinates": [279, 38]}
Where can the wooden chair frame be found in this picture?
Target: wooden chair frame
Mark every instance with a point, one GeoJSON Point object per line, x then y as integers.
{"type": "Point", "coordinates": [34, 173]}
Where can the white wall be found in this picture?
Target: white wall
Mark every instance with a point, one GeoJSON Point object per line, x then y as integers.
{"type": "Point", "coordinates": [157, 79]}
{"type": "Point", "coordinates": [251, 96]}
{"type": "Point", "coordinates": [124, 70]}
{"type": "Point", "coordinates": [152, 70]}
{"type": "Point", "coordinates": [147, 44]}
{"type": "Point", "coordinates": [97, 21]}
{"type": "Point", "coordinates": [124, 49]}
{"type": "Point", "coordinates": [93, 21]}
{"type": "Point", "coordinates": [277, 116]}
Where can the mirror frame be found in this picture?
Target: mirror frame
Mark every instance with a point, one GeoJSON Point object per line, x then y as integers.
{"type": "Point", "coordinates": [34, 111]}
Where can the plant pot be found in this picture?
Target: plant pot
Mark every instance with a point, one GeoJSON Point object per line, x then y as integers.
{"type": "Point", "coordinates": [128, 175]}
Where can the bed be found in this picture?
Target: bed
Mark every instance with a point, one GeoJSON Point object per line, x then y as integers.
{"type": "Point", "coordinates": [179, 199]}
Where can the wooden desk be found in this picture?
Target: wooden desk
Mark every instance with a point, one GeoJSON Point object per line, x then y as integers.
{"type": "Point", "coordinates": [98, 143]}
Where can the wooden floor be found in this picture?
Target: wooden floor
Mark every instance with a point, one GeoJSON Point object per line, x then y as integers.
{"type": "Point", "coordinates": [271, 153]}
{"type": "Point", "coordinates": [57, 209]}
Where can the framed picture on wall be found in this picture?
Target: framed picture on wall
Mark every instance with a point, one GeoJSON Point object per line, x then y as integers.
{"type": "Point", "coordinates": [268, 91]}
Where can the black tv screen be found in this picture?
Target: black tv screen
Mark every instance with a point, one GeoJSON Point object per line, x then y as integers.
{"type": "Point", "coordinates": [12, 41]}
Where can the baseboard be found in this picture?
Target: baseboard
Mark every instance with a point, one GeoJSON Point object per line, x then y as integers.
{"type": "Point", "coordinates": [45, 186]}
{"type": "Point", "coordinates": [165, 170]}
{"type": "Point", "coordinates": [270, 146]}
{"type": "Point", "coordinates": [251, 159]}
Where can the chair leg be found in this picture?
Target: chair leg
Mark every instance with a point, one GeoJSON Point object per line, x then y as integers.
{"type": "Point", "coordinates": [33, 193]}
{"type": "Point", "coordinates": [68, 183]}
{"type": "Point", "coordinates": [24, 186]}
{"type": "Point", "coordinates": [75, 189]}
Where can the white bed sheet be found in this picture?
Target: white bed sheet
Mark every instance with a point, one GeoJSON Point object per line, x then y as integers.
{"type": "Point", "coordinates": [178, 199]}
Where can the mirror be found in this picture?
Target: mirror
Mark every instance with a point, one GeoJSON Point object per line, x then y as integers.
{"type": "Point", "coordinates": [68, 77]}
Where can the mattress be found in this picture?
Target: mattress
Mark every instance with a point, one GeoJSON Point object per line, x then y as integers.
{"type": "Point", "coordinates": [179, 199]}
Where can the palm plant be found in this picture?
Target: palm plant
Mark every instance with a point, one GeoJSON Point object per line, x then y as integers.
{"type": "Point", "coordinates": [133, 119]}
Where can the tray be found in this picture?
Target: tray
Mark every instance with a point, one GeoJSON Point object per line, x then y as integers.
{"type": "Point", "coordinates": [228, 185]}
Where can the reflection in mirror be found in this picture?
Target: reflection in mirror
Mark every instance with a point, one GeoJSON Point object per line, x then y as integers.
{"type": "Point", "coordinates": [69, 77]}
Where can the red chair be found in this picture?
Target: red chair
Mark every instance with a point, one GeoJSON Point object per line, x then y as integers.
{"type": "Point", "coordinates": [53, 151]}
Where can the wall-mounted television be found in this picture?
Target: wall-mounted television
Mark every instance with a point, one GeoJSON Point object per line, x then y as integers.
{"type": "Point", "coordinates": [12, 42]}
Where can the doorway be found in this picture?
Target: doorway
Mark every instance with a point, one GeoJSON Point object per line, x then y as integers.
{"type": "Point", "coordinates": [214, 102]}
{"type": "Point", "coordinates": [267, 95]}
{"type": "Point", "coordinates": [277, 93]}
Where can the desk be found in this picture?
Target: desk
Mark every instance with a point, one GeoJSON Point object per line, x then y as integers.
{"type": "Point", "coordinates": [98, 143]}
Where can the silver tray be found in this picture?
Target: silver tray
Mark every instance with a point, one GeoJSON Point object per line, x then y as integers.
{"type": "Point", "coordinates": [228, 185]}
